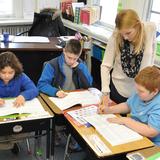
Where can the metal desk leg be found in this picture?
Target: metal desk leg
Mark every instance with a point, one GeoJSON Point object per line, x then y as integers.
{"type": "Point", "coordinates": [28, 146]}
{"type": "Point", "coordinates": [52, 138]}
{"type": "Point", "coordinates": [66, 154]}
{"type": "Point", "coordinates": [48, 143]}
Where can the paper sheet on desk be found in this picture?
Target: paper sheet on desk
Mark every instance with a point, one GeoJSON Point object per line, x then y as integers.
{"type": "Point", "coordinates": [32, 106]}
{"type": "Point", "coordinates": [73, 98]}
{"type": "Point", "coordinates": [38, 39]}
{"type": "Point", "coordinates": [80, 114]}
{"type": "Point", "coordinates": [115, 134]}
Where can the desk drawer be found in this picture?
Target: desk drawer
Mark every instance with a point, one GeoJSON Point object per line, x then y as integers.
{"type": "Point", "coordinates": [25, 126]}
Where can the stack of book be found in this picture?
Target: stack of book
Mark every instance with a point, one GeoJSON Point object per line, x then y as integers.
{"type": "Point", "coordinates": [89, 15]}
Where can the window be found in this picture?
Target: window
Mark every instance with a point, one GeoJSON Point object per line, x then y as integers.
{"type": "Point", "coordinates": [26, 8]}
{"type": "Point", "coordinates": [6, 8]}
{"type": "Point", "coordinates": [109, 11]}
{"type": "Point", "coordinates": [154, 14]}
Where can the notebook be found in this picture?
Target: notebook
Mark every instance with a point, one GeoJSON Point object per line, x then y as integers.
{"type": "Point", "coordinates": [83, 98]}
{"type": "Point", "coordinates": [115, 134]}
{"type": "Point", "coordinates": [30, 107]}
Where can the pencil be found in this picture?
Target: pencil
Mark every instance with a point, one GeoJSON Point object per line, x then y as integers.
{"type": "Point", "coordinates": [60, 88]}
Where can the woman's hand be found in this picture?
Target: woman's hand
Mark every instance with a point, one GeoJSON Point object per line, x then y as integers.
{"type": "Point", "coordinates": [2, 101]}
{"type": "Point", "coordinates": [20, 100]}
{"type": "Point", "coordinates": [61, 94]}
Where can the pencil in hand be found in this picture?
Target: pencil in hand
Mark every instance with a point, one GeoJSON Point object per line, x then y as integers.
{"type": "Point", "coordinates": [61, 93]}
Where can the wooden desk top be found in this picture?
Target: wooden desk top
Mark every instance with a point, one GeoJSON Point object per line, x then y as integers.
{"type": "Point", "coordinates": [33, 46]}
{"type": "Point", "coordinates": [87, 132]}
{"type": "Point", "coordinates": [52, 106]}
{"type": "Point", "coordinates": [27, 46]}
{"type": "Point", "coordinates": [46, 108]}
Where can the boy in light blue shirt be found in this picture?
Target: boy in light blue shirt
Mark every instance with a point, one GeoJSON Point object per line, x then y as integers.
{"type": "Point", "coordinates": [143, 106]}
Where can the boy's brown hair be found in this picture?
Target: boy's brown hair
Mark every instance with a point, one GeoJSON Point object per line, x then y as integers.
{"type": "Point", "coordinates": [149, 78]}
{"type": "Point", "coordinates": [73, 46]}
{"type": "Point", "coordinates": [10, 59]}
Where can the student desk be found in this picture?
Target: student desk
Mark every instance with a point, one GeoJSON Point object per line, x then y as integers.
{"type": "Point", "coordinates": [36, 125]}
{"type": "Point", "coordinates": [33, 55]}
{"type": "Point", "coordinates": [147, 152]}
{"type": "Point", "coordinates": [83, 133]}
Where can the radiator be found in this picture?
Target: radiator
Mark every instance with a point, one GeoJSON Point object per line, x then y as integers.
{"type": "Point", "coordinates": [14, 30]}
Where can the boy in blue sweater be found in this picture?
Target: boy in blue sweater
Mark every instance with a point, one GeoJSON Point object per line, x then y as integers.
{"type": "Point", "coordinates": [143, 106]}
{"type": "Point", "coordinates": [14, 83]}
{"type": "Point", "coordinates": [66, 72]}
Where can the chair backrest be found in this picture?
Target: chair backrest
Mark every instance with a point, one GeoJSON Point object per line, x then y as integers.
{"type": "Point", "coordinates": [47, 23]}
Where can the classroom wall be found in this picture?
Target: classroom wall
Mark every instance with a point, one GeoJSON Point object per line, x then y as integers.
{"type": "Point", "coordinates": [141, 6]}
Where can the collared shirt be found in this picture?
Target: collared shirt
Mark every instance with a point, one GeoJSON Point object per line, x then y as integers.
{"type": "Point", "coordinates": [146, 112]}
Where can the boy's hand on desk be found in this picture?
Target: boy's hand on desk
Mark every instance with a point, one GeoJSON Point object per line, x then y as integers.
{"type": "Point", "coordinates": [2, 101]}
{"type": "Point", "coordinates": [118, 120]}
{"type": "Point", "coordinates": [20, 100]}
{"type": "Point", "coordinates": [61, 94]}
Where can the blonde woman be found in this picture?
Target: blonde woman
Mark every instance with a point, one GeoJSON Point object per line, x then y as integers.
{"type": "Point", "coordinates": [130, 48]}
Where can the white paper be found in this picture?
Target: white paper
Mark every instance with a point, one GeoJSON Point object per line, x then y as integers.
{"type": "Point", "coordinates": [38, 39]}
{"type": "Point", "coordinates": [99, 144]}
{"type": "Point", "coordinates": [66, 38]}
{"type": "Point", "coordinates": [115, 134]}
{"type": "Point", "coordinates": [79, 114]}
{"type": "Point", "coordinates": [33, 106]}
{"type": "Point", "coordinates": [10, 38]}
{"type": "Point", "coordinates": [81, 97]}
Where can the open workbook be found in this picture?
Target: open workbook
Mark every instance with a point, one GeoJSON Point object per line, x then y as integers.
{"type": "Point", "coordinates": [33, 107]}
{"type": "Point", "coordinates": [115, 134]}
{"type": "Point", "coordinates": [83, 98]}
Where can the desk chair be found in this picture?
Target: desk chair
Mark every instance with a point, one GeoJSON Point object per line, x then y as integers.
{"type": "Point", "coordinates": [47, 23]}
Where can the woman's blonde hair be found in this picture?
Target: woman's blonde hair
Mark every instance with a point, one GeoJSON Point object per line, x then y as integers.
{"type": "Point", "coordinates": [126, 19]}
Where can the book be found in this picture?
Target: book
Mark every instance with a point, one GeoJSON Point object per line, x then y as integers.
{"type": "Point", "coordinates": [115, 134]}
{"type": "Point", "coordinates": [80, 114]}
{"type": "Point", "coordinates": [32, 107]}
{"type": "Point", "coordinates": [82, 98]}
{"type": "Point", "coordinates": [89, 15]}
{"type": "Point", "coordinates": [77, 15]}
